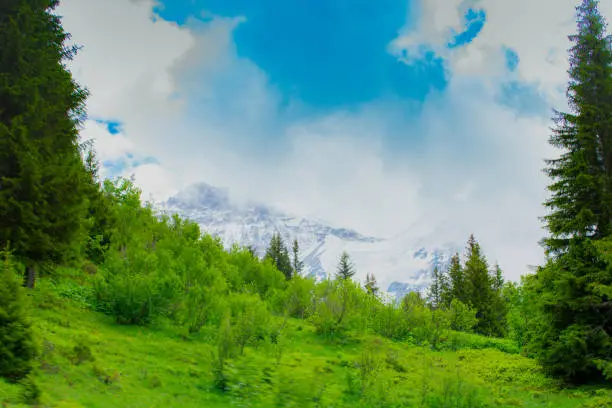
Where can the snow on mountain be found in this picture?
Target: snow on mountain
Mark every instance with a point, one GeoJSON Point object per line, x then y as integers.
{"type": "Point", "coordinates": [396, 262]}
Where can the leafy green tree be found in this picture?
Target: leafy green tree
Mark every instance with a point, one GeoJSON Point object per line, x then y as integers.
{"type": "Point", "coordinates": [573, 290]}
{"type": "Point", "coordinates": [279, 255]}
{"type": "Point", "coordinates": [250, 319]}
{"type": "Point", "coordinates": [462, 317]}
{"type": "Point", "coordinates": [42, 205]}
{"type": "Point", "coordinates": [297, 300]}
{"type": "Point", "coordinates": [339, 306]}
{"type": "Point", "coordinates": [17, 347]}
{"type": "Point", "coordinates": [345, 269]}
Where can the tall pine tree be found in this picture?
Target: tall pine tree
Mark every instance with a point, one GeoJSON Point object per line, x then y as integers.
{"type": "Point", "coordinates": [437, 289]}
{"type": "Point", "coordinates": [456, 285]}
{"type": "Point", "coordinates": [345, 269]}
{"type": "Point", "coordinates": [581, 192]}
{"type": "Point", "coordinates": [41, 170]}
{"type": "Point", "coordinates": [478, 285]}
{"type": "Point", "coordinates": [298, 265]}
{"type": "Point", "coordinates": [574, 289]}
{"type": "Point", "coordinates": [277, 252]}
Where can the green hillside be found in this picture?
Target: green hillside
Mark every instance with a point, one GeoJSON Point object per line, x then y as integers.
{"type": "Point", "coordinates": [88, 360]}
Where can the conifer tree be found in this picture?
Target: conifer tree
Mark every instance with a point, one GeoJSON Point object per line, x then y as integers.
{"type": "Point", "coordinates": [437, 289]}
{"type": "Point", "coordinates": [456, 285]}
{"type": "Point", "coordinates": [41, 170]}
{"type": "Point", "coordinates": [345, 269]}
{"type": "Point", "coordinates": [100, 219]}
{"type": "Point", "coordinates": [478, 286]}
{"type": "Point", "coordinates": [574, 289]}
{"type": "Point", "coordinates": [17, 348]}
{"type": "Point", "coordinates": [278, 253]}
{"type": "Point", "coordinates": [499, 306]}
{"type": "Point", "coordinates": [251, 250]}
{"type": "Point", "coordinates": [497, 278]}
{"type": "Point", "coordinates": [371, 286]}
{"type": "Point", "coordinates": [298, 265]}
{"type": "Point", "coordinates": [581, 200]}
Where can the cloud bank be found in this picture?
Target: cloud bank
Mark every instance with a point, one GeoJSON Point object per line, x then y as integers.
{"type": "Point", "coordinates": [467, 158]}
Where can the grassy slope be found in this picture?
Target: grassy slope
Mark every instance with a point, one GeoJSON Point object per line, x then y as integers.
{"type": "Point", "coordinates": [160, 367]}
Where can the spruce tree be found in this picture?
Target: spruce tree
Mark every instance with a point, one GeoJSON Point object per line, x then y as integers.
{"type": "Point", "coordinates": [499, 305]}
{"type": "Point", "coordinates": [100, 219]}
{"type": "Point", "coordinates": [437, 289]}
{"type": "Point", "coordinates": [41, 170]}
{"type": "Point", "coordinates": [456, 285]}
{"type": "Point", "coordinates": [581, 192]}
{"type": "Point", "coordinates": [345, 269]}
{"type": "Point", "coordinates": [277, 252]}
{"type": "Point", "coordinates": [574, 288]}
{"type": "Point", "coordinates": [478, 285]}
{"type": "Point", "coordinates": [17, 348]}
{"type": "Point", "coordinates": [298, 265]}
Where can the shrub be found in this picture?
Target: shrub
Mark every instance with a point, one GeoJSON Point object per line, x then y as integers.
{"type": "Point", "coordinates": [339, 306]}
{"type": "Point", "coordinates": [462, 317]}
{"type": "Point", "coordinates": [250, 319]}
{"type": "Point", "coordinates": [389, 321]}
{"type": "Point", "coordinates": [296, 300]}
{"type": "Point", "coordinates": [132, 289]}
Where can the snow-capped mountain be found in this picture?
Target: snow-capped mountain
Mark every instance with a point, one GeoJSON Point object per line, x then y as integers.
{"type": "Point", "coordinates": [392, 261]}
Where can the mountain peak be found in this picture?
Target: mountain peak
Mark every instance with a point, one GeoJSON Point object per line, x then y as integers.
{"type": "Point", "coordinates": [320, 243]}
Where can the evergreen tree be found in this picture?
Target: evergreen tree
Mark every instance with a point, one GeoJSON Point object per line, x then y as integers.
{"type": "Point", "coordinates": [581, 199]}
{"type": "Point", "coordinates": [41, 171]}
{"type": "Point", "coordinates": [251, 250]}
{"type": "Point", "coordinates": [437, 289]}
{"type": "Point", "coordinates": [371, 286]}
{"type": "Point", "coordinates": [497, 278]}
{"type": "Point", "coordinates": [499, 305]}
{"type": "Point", "coordinates": [100, 218]}
{"type": "Point", "coordinates": [345, 269]}
{"type": "Point", "coordinates": [478, 286]}
{"type": "Point", "coordinates": [456, 286]}
{"type": "Point", "coordinates": [298, 265]}
{"type": "Point", "coordinates": [574, 289]}
{"type": "Point", "coordinates": [277, 252]}
{"type": "Point", "coordinates": [17, 349]}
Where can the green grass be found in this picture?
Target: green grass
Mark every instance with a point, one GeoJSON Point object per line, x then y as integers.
{"type": "Point", "coordinates": [89, 361]}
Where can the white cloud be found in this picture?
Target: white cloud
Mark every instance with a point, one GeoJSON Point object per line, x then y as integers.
{"type": "Point", "coordinates": [478, 169]}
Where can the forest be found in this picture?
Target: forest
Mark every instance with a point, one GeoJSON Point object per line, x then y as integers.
{"type": "Point", "coordinates": [103, 302]}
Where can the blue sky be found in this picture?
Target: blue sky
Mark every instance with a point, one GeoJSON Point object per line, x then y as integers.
{"type": "Point", "coordinates": [328, 54]}
{"type": "Point", "coordinates": [321, 56]}
{"type": "Point", "coordinates": [376, 116]}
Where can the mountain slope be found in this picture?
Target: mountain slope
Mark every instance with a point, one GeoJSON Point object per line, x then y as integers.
{"type": "Point", "coordinates": [396, 265]}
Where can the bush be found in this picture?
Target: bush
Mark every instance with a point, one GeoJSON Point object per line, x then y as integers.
{"type": "Point", "coordinates": [462, 317]}
{"type": "Point", "coordinates": [132, 289]}
{"type": "Point", "coordinates": [389, 321]}
{"type": "Point", "coordinates": [297, 299]}
{"type": "Point", "coordinates": [17, 347]}
{"type": "Point", "coordinates": [339, 306]}
{"type": "Point", "coordinates": [250, 319]}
